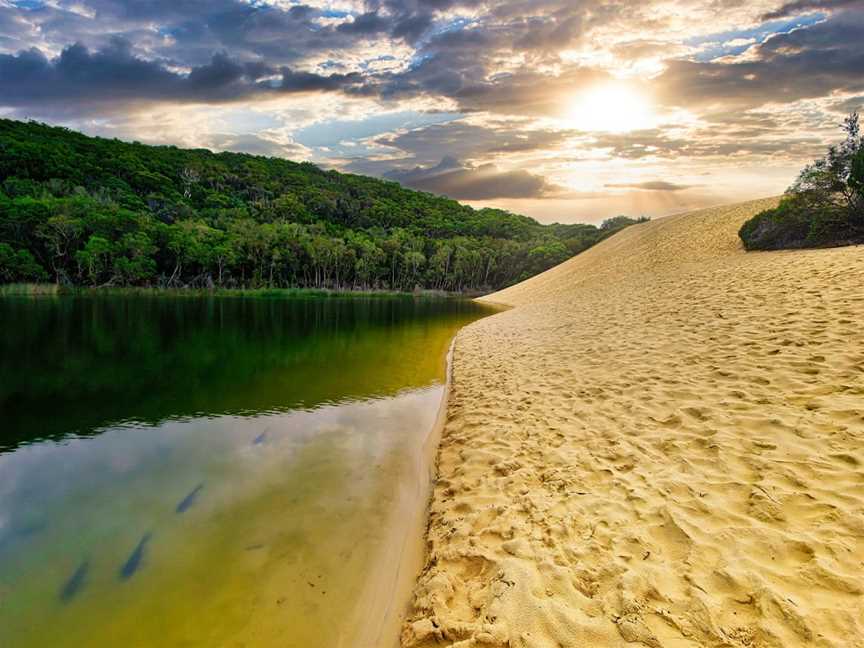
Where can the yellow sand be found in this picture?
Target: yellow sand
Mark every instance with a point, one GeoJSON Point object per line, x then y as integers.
{"type": "Point", "coordinates": [662, 444]}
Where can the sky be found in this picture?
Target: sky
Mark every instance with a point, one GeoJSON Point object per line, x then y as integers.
{"type": "Point", "coordinates": [567, 111]}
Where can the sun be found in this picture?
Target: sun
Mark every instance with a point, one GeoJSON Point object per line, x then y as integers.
{"type": "Point", "coordinates": [611, 107]}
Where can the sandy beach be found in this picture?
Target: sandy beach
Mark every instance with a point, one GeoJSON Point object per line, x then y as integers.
{"type": "Point", "coordinates": [660, 444]}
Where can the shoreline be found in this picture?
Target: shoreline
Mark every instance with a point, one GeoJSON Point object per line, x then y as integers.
{"type": "Point", "coordinates": [387, 597]}
{"type": "Point", "coordinates": [658, 445]}
{"type": "Point", "coordinates": [393, 596]}
{"type": "Point", "coordinates": [393, 593]}
{"type": "Point", "coordinates": [56, 290]}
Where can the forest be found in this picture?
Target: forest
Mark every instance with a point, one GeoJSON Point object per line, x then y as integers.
{"type": "Point", "coordinates": [88, 211]}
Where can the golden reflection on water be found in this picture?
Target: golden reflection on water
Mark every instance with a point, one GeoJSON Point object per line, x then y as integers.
{"type": "Point", "coordinates": [274, 550]}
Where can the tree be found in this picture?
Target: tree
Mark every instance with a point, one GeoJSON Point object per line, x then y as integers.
{"type": "Point", "coordinates": [62, 236]}
{"type": "Point", "coordinates": [369, 261]}
{"type": "Point", "coordinates": [95, 258]}
{"type": "Point", "coordinates": [133, 262]}
{"type": "Point", "coordinates": [617, 222]}
{"type": "Point", "coordinates": [834, 181]}
{"type": "Point", "coordinates": [19, 265]}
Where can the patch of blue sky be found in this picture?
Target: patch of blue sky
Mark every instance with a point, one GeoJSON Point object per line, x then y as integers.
{"type": "Point", "coordinates": [29, 5]}
{"type": "Point", "coordinates": [347, 150]}
{"type": "Point", "coordinates": [171, 32]}
{"type": "Point", "coordinates": [370, 63]}
{"type": "Point", "coordinates": [729, 43]}
{"type": "Point", "coordinates": [444, 27]}
{"type": "Point", "coordinates": [334, 134]}
{"type": "Point", "coordinates": [454, 24]}
{"type": "Point", "coordinates": [263, 4]}
{"type": "Point", "coordinates": [334, 13]}
{"type": "Point", "coordinates": [418, 58]}
{"type": "Point", "coordinates": [367, 65]}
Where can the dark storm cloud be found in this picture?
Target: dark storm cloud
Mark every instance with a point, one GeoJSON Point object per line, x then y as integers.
{"type": "Point", "coordinates": [309, 82]}
{"type": "Point", "coordinates": [190, 28]}
{"type": "Point", "coordinates": [453, 58]}
{"type": "Point", "coordinates": [651, 185]}
{"type": "Point", "coordinates": [469, 141]}
{"type": "Point", "coordinates": [30, 76]}
{"type": "Point", "coordinates": [412, 18]}
{"type": "Point", "coordinates": [220, 41]}
{"type": "Point", "coordinates": [804, 6]}
{"type": "Point", "coordinates": [464, 182]}
{"type": "Point", "coordinates": [115, 75]}
{"type": "Point", "coordinates": [367, 23]}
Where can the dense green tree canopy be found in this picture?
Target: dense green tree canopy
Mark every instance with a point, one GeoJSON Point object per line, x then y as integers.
{"type": "Point", "coordinates": [93, 211]}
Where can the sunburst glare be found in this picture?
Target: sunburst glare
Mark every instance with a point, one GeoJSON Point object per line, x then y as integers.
{"type": "Point", "coordinates": [611, 107]}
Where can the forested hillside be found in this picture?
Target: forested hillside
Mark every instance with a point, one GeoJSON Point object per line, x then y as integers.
{"type": "Point", "coordinates": [91, 211]}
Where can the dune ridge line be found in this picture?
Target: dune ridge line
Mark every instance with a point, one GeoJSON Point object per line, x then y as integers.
{"type": "Point", "coordinates": [661, 444]}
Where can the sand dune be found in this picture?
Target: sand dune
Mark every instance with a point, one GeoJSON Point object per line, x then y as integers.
{"type": "Point", "coordinates": [662, 444]}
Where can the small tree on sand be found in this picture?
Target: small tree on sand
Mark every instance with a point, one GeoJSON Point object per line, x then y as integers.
{"type": "Point", "coordinates": [825, 205]}
{"type": "Point", "coordinates": [835, 182]}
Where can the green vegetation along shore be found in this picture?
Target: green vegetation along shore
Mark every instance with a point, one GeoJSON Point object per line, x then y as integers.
{"type": "Point", "coordinates": [825, 206]}
{"type": "Point", "coordinates": [66, 290]}
{"type": "Point", "coordinates": [80, 210]}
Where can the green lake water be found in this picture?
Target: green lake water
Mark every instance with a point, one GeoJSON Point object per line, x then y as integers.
{"type": "Point", "coordinates": [210, 471]}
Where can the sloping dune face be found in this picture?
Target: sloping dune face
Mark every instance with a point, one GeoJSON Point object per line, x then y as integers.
{"type": "Point", "coordinates": [662, 444]}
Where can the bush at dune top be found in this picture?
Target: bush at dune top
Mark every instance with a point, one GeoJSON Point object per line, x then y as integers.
{"type": "Point", "coordinates": [825, 206]}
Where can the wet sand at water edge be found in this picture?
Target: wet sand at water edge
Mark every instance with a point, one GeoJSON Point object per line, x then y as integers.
{"type": "Point", "coordinates": [661, 444]}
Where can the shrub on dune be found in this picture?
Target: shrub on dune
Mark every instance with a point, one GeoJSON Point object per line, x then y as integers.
{"type": "Point", "coordinates": [824, 207]}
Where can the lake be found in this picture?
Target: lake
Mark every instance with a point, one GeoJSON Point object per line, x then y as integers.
{"type": "Point", "coordinates": [214, 471]}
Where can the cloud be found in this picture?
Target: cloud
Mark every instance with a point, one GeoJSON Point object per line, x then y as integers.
{"type": "Point", "coordinates": [816, 61]}
{"type": "Point", "coordinates": [293, 81]}
{"type": "Point", "coordinates": [190, 31]}
{"type": "Point", "coordinates": [722, 139]}
{"type": "Point", "coordinates": [805, 6]}
{"type": "Point", "coordinates": [465, 140]}
{"type": "Point", "coordinates": [849, 104]}
{"type": "Point", "coordinates": [256, 145]}
{"type": "Point", "coordinates": [79, 78]}
{"type": "Point", "coordinates": [463, 182]}
{"type": "Point", "coordinates": [368, 23]}
{"type": "Point", "coordinates": [652, 185]}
